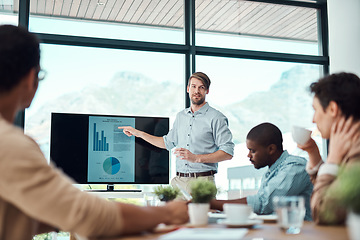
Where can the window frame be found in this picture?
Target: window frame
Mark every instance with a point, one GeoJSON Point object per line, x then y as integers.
{"type": "Point", "coordinates": [189, 48]}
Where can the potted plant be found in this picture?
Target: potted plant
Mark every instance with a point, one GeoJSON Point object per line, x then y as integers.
{"type": "Point", "coordinates": [166, 193]}
{"type": "Point", "coordinates": [202, 191]}
{"type": "Point", "coordinates": [347, 194]}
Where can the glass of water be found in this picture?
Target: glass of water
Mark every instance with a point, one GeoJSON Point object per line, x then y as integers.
{"type": "Point", "coordinates": [151, 200]}
{"type": "Point", "coordinates": [290, 211]}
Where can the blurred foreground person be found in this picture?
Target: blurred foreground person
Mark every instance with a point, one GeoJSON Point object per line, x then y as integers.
{"type": "Point", "coordinates": [35, 197]}
{"type": "Point", "coordinates": [337, 116]}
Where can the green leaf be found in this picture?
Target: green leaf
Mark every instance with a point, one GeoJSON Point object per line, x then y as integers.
{"type": "Point", "coordinates": [166, 193]}
{"type": "Point", "coordinates": [202, 191]}
{"type": "Point", "coordinates": [347, 190]}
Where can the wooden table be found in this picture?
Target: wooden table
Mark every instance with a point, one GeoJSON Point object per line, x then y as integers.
{"type": "Point", "coordinates": [269, 231]}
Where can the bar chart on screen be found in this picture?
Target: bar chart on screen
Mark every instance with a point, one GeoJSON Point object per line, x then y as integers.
{"type": "Point", "coordinates": [99, 142]}
{"type": "Point", "coordinates": [111, 154]}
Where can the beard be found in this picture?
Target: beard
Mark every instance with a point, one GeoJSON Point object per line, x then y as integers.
{"type": "Point", "coordinates": [197, 102]}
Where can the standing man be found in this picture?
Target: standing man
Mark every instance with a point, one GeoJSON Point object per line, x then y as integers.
{"type": "Point", "coordinates": [337, 116]}
{"type": "Point", "coordinates": [200, 134]}
{"type": "Point", "coordinates": [286, 175]}
{"type": "Point", "coordinates": [35, 197]}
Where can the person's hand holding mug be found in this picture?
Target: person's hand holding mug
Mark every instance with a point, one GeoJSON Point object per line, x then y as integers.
{"type": "Point", "coordinates": [312, 149]}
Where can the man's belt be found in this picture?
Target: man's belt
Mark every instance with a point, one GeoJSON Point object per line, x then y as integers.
{"type": "Point", "coordinates": [198, 174]}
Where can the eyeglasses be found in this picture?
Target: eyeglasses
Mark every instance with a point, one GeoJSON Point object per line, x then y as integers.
{"type": "Point", "coordinates": [41, 74]}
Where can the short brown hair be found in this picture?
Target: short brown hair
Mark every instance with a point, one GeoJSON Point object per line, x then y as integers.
{"type": "Point", "coordinates": [342, 88]}
{"type": "Point", "coordinates": [202, 77]}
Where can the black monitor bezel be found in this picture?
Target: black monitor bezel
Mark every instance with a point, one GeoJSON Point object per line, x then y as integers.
{"type": "Point", "coordinates": [80, 122]}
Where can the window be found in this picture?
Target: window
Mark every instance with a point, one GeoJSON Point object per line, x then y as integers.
{"type": "Point", "coordinates": [105, 81]}
{"type": "Point", "coordinates": [252, 25]}
{"type": "Point", "coordinates": [250, 92]}
{"type": "Point", "coordinates": [9, 12]}
{"type": "Point", "coordinates": [154, 21]}
{"type": "Point", "coordinates": [260, 56]}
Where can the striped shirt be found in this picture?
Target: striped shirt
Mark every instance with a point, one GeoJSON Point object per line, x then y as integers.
{"type": "Point", "coordinates": [286, 177]}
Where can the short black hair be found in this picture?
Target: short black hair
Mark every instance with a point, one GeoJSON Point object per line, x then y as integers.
{"type": "Point", "coordinates": [19, 53]}
{"type": "Point", "coordinates": [342, 88]}
{"type": "Point", "coordinates": [266, 134]}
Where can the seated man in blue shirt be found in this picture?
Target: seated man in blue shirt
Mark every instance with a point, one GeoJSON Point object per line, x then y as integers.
{"type": "Point", "coordinates": [286, 175]}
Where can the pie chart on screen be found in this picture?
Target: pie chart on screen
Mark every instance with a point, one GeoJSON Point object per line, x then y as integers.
{"type": "Point", "coordinates": [111, 165]}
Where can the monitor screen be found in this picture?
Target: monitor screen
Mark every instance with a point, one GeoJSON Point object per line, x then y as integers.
{"type": "Point", "coordinates": [91, 149]}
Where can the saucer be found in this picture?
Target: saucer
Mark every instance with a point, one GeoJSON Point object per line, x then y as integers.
{"type": "Point", "coordinates": [248, 223]}
{"type": "Point", "coordinates": [213, 217]}
{"type": "Point", "coordinates": [272, 218]}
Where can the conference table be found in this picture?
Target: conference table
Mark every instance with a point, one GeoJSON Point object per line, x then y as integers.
{"type": "Point", "coordinates": [264, 231]}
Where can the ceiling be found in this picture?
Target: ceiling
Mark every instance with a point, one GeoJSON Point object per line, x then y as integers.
{"type": "Point", "coordinates": [223, 16]}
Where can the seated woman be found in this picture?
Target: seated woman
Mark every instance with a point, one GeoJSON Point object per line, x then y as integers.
{"type": "Point", "coordinates": [337, 116]}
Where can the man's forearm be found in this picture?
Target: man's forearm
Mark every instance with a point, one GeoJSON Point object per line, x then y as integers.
{"type": "Point", "coordinates": [138, 219]}
{"type": "Point", "coordinates": [215, 157]}
{"type": "Point", "coordinates": [44, 228]}
{"type": "Point", "coordinates": [154, 140]}
{"type": "Point", "coordinates": [218, 204]}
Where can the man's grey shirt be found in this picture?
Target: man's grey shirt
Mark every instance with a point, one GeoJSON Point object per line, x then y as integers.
{"type": "Point", "coordinates": [203, 132]}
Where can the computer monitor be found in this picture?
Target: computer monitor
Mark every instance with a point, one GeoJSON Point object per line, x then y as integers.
{"type": "Point", "coordinates": [92, 150]}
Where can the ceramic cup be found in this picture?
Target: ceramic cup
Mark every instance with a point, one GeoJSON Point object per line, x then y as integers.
{"type": "Point", "coordinates": [300, 135]}
{"type": "Point", "coordinates": [237, 213]}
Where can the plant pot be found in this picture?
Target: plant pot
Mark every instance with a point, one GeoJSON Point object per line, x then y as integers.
{"type": "Point", "coordinates": [353, 223]}
{"type": "Point", "coordinates": [161, 203]}
{"type": "Point", "coordinates": [198, 213]}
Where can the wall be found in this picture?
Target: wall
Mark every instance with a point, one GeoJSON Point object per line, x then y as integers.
{"type": "Point", "coordinates": [344, 35]}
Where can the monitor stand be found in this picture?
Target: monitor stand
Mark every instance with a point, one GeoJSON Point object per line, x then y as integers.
{"type": "Point", "coordinates": [110, 188]}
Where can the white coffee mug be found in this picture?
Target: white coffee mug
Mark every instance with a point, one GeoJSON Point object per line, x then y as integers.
{"type": "Point", "coordinates": [237, 213]}
{"type": "Point", "coordinates": [300, 135]}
